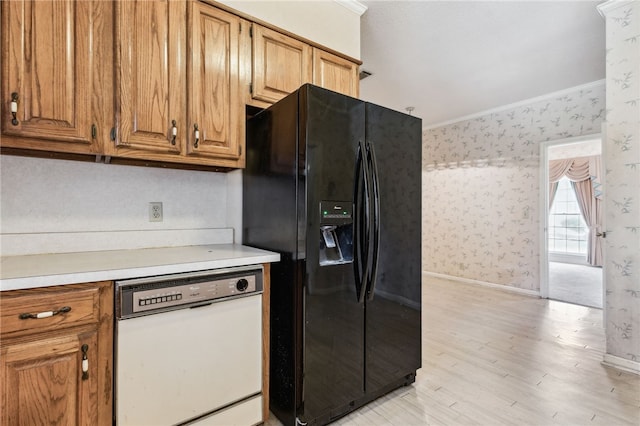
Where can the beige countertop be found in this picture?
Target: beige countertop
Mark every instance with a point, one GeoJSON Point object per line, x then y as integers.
{"type": "Point", "coordinates": [43, 270]}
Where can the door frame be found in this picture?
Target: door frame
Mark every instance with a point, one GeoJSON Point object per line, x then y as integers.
{"type": "Point", "coordinates": [544, 203]}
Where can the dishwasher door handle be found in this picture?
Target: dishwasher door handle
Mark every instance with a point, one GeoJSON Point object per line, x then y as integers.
{"type": "Point", "coordinates": [202, 305]}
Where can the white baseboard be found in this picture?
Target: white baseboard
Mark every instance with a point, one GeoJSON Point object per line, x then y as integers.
{"type": "Point", "coordinates": [621, 363]}
{"type": "Point", "coordinates": [511, 289]}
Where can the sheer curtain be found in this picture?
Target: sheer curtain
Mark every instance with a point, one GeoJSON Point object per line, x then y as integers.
{"type": "Point", "coordinates": [584, 174]}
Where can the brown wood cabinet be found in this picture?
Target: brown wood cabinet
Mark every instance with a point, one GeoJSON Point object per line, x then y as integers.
{"type": "Point", "coordinates": [266, 338]}
{"type": "Point", "coordinates": [150, 89]}
{"type": "Point", "coordinates": [56, 352]}
{"type": "Point", "coordinates": [216, 111]}
{"type": "Point", "coordinates": [335, 73]}
{"type": "Point", "coordinates": [177, 90]}
{"type": "Point", "coordinates": [56, 75]}
{"type": "Point", "coordinates": [172, 91]}
{"type": "Point", "coordinates": [280, 64]}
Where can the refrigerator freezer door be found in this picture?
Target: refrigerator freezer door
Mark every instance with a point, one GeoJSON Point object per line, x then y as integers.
{"type": "Point", "coordinates": [270, 221]}
{"type": "Point", "coordinates": [331, 126]}
{"type": "Point", "coordinates": [393, 309]}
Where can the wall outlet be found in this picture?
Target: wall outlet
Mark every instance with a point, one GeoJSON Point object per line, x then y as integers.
{"type": "Point", "coordinates": [155, 212]}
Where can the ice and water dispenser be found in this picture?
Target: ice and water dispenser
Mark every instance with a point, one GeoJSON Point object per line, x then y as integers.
{"type": "Point", "coordinates": [336, 232]}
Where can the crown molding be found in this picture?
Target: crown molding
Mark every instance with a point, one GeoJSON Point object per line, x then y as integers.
{"type": "Point", "coordinates": [353, 5]}
{"type": "Point", "coordinates": [518, 104]}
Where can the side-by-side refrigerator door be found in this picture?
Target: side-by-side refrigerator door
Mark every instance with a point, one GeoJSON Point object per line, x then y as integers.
{"type": "Point", "coordinates": [330, 127]}
{"type": "Point", "coordinates": [393, 302]}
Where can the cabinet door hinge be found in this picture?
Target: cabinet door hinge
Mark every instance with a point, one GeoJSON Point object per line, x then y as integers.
{"type": "Point", "coordinates": [112, 134]}
{"type": "Point", "coordinates": [251, 31]}
{"type": "Point", "coordinates": [251, 88]}
{"type": "Point", "coordinates": [94, 131]}
{"type": "Point", "coordinates": [240, 28]}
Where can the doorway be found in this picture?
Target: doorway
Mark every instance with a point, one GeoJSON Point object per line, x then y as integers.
{"type": "Point", "coordinates": [571, 258]}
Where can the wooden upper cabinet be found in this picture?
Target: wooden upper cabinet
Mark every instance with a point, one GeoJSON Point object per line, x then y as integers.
{"type": "Point", "coordinates": [280, 64]}
{"type": "Point", "coordinates": [150, 79]}
{"type": "Point", "coordinates": [215, 119]}
{"type": "Point", "coordinates": [335, 73]}
{"type": "Point", "coordinates": [178, 89]}
{"type": "Point", "coordinates": [57, 72]}
{"type": "Point", "coordinates": [146, 80]}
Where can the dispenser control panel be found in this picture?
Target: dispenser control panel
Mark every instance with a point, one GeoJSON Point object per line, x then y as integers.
{"type": "Point", "coordinates": [336, 212]}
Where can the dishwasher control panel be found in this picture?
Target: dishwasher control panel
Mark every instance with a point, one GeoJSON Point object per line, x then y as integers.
{"type": "Point", "coordinates": [142, 296]}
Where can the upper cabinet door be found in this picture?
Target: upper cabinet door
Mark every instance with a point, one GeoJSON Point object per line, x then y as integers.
{"type": "Point", "coordinates": [281, 64]}
{"type": "Point", "coordinates": [215, 110]}
{"type": "Point", "coordinates": [53, 56]}
{"type": "Point", "coordinates": [335, 73]}
{"type": "Point", "coordinates": [151, 87]}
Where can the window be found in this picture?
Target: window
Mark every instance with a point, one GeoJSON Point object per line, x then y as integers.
{"type": "Point", "coordinates": [568, 231]}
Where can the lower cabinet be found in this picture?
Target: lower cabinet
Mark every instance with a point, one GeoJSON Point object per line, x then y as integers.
{"type": "Point", "coordinates": [56, 355]}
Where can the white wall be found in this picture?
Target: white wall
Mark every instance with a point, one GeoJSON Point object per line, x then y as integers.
{"type": "Point", "coordinates": [43, 196]}
{"type": "Point", "coordinates": [323, 21]}
{"type": "Point", "coordinates": [40, 195]}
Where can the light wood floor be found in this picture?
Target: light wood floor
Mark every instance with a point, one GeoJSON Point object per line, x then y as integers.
{"type": "Point", "coordinates": [491, 357]}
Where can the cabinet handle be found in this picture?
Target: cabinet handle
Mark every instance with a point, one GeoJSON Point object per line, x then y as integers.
{"type": "Point", "coordinates": [47, 314]}
{"type": "Point", "coordinates": [14, 108]}
{"type": "Point", "coordinates": [197, 135]}
{"type": "Point", "coordinates": [174, 131]}
{"type": "Point", "coordinates": [85, 362]}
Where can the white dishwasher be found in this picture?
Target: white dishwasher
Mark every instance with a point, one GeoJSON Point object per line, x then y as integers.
{"type": "Point", "coordinates": [188, 349]}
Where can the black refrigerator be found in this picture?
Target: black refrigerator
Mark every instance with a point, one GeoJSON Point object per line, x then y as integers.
{"type": "Point", "coordinates": [333, 184]}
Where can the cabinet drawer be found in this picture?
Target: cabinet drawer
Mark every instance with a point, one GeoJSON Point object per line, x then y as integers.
{"type": "Point", "coordinates": [53, 307]}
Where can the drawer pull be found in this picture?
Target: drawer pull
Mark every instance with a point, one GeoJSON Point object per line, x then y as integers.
{"type": "Point", "coordinates": [47, 314]}
{"type": "Point", "coordinates": [174, 131]}
{"type": "Point", "coordinates": [14, 108]}
{"type": "Point", "coordinates": [85, 362]}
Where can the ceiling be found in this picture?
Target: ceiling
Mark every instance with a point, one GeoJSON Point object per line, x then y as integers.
{"type": "Point", "coordinates": [451, 59]}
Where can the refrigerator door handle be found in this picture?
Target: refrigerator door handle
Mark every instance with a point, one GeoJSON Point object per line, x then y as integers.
{"type": "Point", "coordinates": [375, 219]}
{"type": "Point", "coordinates": [360, 222]}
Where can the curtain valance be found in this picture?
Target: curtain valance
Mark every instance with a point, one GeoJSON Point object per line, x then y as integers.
{"type": "Point", "coordinates": [576, 169]}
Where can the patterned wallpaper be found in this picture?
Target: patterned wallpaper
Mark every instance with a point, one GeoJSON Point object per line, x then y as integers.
{"type": "Point", "coordinates": [622, 186]}
{"type": "Point", "coordinates": [481, 186]}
